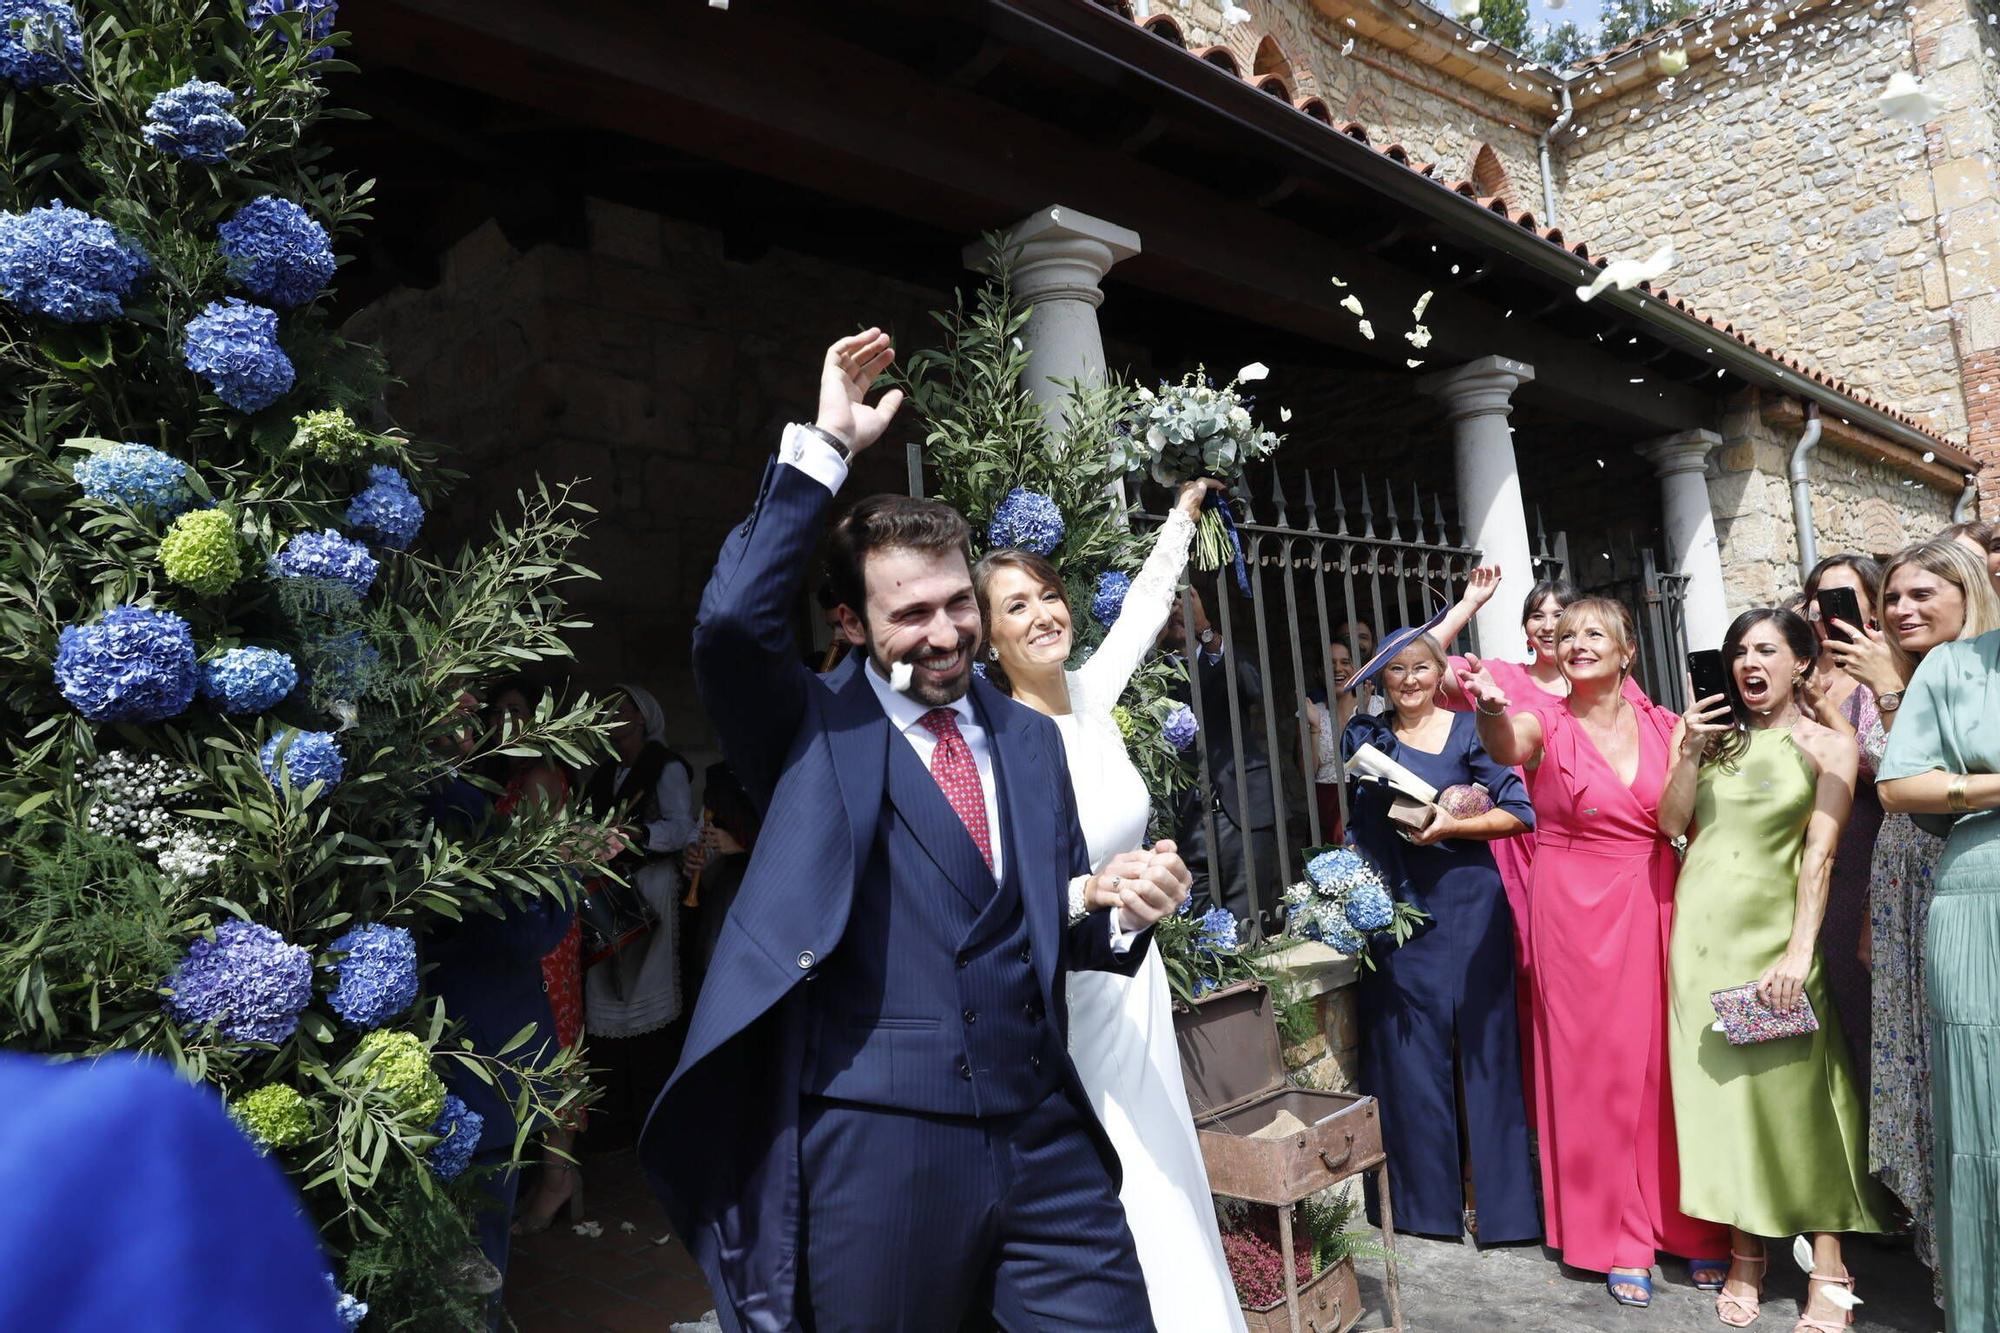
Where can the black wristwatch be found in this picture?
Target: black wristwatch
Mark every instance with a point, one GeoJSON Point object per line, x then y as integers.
{"type": "Point", "coordinates": [839, 445]}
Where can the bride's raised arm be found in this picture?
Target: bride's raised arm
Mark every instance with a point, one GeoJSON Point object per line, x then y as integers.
{"type": "Point", "coordinates": [1147, 603]}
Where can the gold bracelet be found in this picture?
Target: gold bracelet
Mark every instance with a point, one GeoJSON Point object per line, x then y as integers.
{"type": "Point", "coordinates": [1954, 794]}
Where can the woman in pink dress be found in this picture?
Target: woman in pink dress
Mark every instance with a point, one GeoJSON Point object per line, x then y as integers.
{"type": "Point", "coordinates": [1600, 905]}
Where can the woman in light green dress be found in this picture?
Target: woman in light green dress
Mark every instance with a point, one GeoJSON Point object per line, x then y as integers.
{"type": "Point", "coordinates": [1943, 767]}
{"type": "Point", "coordinates": [1773, 1137]}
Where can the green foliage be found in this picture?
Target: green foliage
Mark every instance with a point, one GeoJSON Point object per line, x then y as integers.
{"type": "Point", "coordinates": [1507, 22]}
{"type": "Point", "coordinates": [1622, 20]}
{"type": "Point", "coordinates": [1328, 1220]}
{"type": "Point", "coordinates": [1195, 967]}
{"type": "Point", "coordinates": [1564, 45]}
{"type": "Point", "coordinates": [98, 907]}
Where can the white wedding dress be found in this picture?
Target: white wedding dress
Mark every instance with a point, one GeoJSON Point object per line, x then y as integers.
{"type": "Point", "coordinates": [1121, 1029]}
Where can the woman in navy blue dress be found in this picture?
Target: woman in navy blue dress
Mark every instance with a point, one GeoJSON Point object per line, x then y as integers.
{"type": "Point", "coordinates": [1440, 1033]}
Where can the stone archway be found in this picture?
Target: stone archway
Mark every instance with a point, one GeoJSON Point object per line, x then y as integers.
{"type": "Point", "coordinates": [1488, 176]}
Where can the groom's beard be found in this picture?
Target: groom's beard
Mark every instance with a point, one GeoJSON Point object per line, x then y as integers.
{"type": "Point", "coordinates": [933, 693]}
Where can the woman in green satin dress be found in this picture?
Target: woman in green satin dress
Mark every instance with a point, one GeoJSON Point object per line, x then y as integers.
{"type": "Point", "coordinates": [1943, 767]}
{"type": "Point", "coordinates": [1773, 1137]}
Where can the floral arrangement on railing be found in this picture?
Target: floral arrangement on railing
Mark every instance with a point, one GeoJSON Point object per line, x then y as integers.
{"type": "Point", "coordinates": [992, 453]}
{"type": "Point", "coordinates": [1343, 902]}
{"type": "Point", "coordinates": [1204, 953]}
{"type": "Point", "coordinates": [1192, 429]}
{"type": "Point", "coordinates": [232, 665]}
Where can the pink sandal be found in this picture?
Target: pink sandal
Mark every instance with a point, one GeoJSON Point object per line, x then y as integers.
{"type": "Point", "coordinates": [1809, 1325]}
{"type": "Point", "coordinates": [1742, 1311]}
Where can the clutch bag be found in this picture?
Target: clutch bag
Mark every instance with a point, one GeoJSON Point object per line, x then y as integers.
{"type": "Point", "coordinates": [1746, 1020]}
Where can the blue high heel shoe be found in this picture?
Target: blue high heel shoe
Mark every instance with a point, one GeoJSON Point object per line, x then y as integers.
{"type": "Point", "coordinates": [1643, 1281]}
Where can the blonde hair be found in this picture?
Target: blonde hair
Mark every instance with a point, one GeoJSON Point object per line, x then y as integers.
{"type": "Point", "coordinates": [1607, 615]}
{"type": "Point", "coordinates": [1953, 561]}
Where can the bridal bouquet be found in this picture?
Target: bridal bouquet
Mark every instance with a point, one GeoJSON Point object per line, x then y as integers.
{"type": "Point", "coordinates": [1344, 900]}
{"type": "Point", "coordinates": [1181, 432]}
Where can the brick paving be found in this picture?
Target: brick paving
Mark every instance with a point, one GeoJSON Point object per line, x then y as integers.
{"type": "Point", "coordinates": [624, 1282]}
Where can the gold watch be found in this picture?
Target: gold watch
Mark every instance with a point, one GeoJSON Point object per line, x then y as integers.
{"type": "Point", "coordinates": [1890, 702]}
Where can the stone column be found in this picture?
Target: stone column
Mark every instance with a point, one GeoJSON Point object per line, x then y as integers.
{"type": "Point", "coordinates": [1681, 461]}
{"type": "Point", "coordinates": [1477, 398]}
{"type": "Point", "coordinates": [1060, 257]}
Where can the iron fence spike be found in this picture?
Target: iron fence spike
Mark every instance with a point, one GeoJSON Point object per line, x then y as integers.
{"type": "Point", "coordinates": [1312, 506]}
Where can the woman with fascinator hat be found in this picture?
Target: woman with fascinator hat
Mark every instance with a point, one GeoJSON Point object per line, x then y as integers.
{"type": "Point", "coordinates": [1440, 1037]}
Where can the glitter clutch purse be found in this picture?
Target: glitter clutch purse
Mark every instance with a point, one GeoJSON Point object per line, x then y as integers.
{"type": "Point", "coordinates": [1746, 1020]}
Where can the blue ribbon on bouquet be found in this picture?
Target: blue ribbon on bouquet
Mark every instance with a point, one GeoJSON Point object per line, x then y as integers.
{"type": "Point", "coordinates": [1217, 500]}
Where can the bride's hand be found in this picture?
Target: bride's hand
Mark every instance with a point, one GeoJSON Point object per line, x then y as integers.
{"type": "Point", "coordinates": [1105, 887]}
{"type": "Point", "coordinates": [1193, 493]}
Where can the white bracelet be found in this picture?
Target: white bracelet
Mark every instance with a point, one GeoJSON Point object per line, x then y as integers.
{"type": "Point", "coordinates": [1501, 711]}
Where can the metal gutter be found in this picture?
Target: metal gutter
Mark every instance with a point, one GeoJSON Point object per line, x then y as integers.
{"type": "Point", "coordinates": [1256, 114]}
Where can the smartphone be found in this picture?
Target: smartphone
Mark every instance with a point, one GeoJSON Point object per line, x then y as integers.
{"type": "Point", "coordinates": [1839, 604]}
{"type": "Point", "coordinates": [1705, 670]}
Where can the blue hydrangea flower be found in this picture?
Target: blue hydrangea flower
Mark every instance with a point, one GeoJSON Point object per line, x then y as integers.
{"type": "Point", "coordinates": [1028, 520]}
{"type": "Point", "coordinates": [1339, 870]}
{"type": "Point", "coordinates": [1203, 985]}
{"type": "Point", "coordinates": [1112, 585]}
{"type": "Point", "coordinates": [133, 665]}
{"type": "Point", "coordinates": [458, 1127]}
{"type": "Point", "coordinates": [378, 975]}
{"type": "Point", "coordinates": [319, 16]}
{"type": "Point", "coordinates": [192, 122]}
{"type": "Point", "coordinates": [388, 509]}
{"type": "Point", "coordinates": [139, 477]}
{"type": "Point", "coordinates": [311, 757]}
{"type": "Point", "coordinates": [343, 665]}
{"type": "Point", "coordinates": [1180, 727]}
{"type": "Point", "coordinates": [326, 555]}
{"type": "Point", "coordinates": [346, 1308]}
{"type": "Point", "coordinates": [1217, 931]}
{"type": "Point", "coordinates": [1368, 908]}
{"type": "Point", "coordinates": [40, 42]}
{"type": "Point", "coordinates": [276, 251]}
{"type": "Point", "coordinates": [1342, 938]}
{"type": "Point", "coordinates": [246, 981]}
{"type": "Point", "coordinates": [63, 264]}
{"type": "Point", "coordinates": [249, 680]}
{"type": "Point", "coordinates": [234, 346]}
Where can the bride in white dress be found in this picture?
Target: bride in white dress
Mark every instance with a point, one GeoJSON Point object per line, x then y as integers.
{"type": "Point", "coordinates": [1121, 1029]}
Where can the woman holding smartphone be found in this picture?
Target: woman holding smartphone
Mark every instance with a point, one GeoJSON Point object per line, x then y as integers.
{"type": "Point", "coordinates": [1933, 593]}
{"type": "Point", "coordinates": [1770, 1133]}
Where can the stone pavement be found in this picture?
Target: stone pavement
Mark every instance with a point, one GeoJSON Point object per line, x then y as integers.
{"type": "Point", "coordinates": [620, 1281]}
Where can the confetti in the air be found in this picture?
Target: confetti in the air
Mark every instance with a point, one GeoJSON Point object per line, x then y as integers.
{"type": "Point", "coordinates": [1625, 274]}
{"type": "Point", "coordinates": [1411, 364]}
{"type": "Point", "coordinates": [1419, 336]}
{"type": "Point", "coordinates": [1674, 62]}
{"type": "Point", "coordinates": [1367, 330]}
{"type": "Point", "coordinates": [1347, 47]}
{"type": "Point", "coordinates": [1284, 414]}
{"type": "Point", "coordinates": [1352, 305]}
{"type": "Point", "coordinates": [1256, 370]}
{"type": "Point", "coordinates": [718, 4]}
{"type": "Point", "coordinates": [1417, 312]}
{"type": "Point", "coordinates": [1478, 46]}
{"type": "Point", "coordinates": [1905, 100]}
{"type": "Point", "coordinates": [590, 1229]}
{"type": "Point", "coordinates": [1465, 9]}
{"type": "Point", "coordinates": [1802, 1253]}
{"type": "Point", "coordinates": [1234, 14]}
{"type": "Point", "coordinates": [900, 674]}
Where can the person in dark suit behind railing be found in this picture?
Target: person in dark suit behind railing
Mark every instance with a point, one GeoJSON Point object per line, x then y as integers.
{"type": "Point", "coordinates": [1222, 873]}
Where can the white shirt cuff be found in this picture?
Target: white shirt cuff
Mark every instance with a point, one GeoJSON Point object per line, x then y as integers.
{"type": "Point", "coordinates": [813, 456]}
{"type": "Point", "coordinates": [1121, 937]}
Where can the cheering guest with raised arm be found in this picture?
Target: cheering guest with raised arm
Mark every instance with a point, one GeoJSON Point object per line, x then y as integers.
{"type": "Point", "coordinates": [1121, 1028]}
{"type": "Point", "coordinates": [1601, 907]}
{"type": "Point", "coordinates": [1771, 1131]}
{"type": "Point", "coordinates": [875, 1122]}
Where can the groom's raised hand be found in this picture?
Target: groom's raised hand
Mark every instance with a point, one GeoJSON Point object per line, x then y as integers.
{"type": "Point", "coordinates": [844, 381]}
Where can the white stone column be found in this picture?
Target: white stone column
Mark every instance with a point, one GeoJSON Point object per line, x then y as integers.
{"type": "Point", "coordinates": [1060, 255]}
{"type": "Point", "coordinates": [1682, 464]}
{"type": "Point", "coordinates": [1477, 398]}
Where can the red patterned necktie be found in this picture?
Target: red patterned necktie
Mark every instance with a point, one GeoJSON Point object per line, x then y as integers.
{"type": "Point", "coordinates": [958, 777]}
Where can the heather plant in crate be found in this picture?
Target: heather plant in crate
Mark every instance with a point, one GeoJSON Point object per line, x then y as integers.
{"type": "Point", "coordinates": [235, 651]}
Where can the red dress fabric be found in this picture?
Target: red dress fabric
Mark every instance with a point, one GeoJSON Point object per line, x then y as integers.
{"type": "Point", "coordinates": [562, 969]}
{"type": "Point", "coordinates": [1601, 909]}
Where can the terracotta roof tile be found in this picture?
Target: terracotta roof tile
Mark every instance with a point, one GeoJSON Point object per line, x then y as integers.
{"type": "Point", "coordinates": [1163, 26]}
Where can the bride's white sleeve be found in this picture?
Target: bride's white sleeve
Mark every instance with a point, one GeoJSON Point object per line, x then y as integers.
{"type": "Point", "coordinates": [1147, 605]}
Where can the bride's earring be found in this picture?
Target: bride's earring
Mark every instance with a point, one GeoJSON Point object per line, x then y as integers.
{"type": "Point", "coordinates": [992, 654]}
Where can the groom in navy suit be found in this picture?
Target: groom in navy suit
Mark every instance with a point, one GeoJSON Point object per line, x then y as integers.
{"type": "Point", "coordinates": [875, 1123]}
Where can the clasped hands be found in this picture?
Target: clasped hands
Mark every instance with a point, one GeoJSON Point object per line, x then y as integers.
{"type": "Point", "coordinates": [1143, 884]}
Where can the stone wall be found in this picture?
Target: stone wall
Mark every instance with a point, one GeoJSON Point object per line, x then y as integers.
{"type": "Point", "coordinates": [1797, 210]}
{"type": "Point", "coordinates": [653, 368]}
{"type": "Point", "coordinates": [1859, 504]}
{"type": "Point", "coordinates": [1395, 97]}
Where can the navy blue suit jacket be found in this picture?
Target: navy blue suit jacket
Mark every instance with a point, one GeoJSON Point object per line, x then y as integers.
{"type": "Point", "coordinates": [721, 1146]}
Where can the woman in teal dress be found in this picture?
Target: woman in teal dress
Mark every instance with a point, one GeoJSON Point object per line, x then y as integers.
{"type": "Point", "coordinates": [1943, 767]}
{"type": "Point", "coordinates": [1773, 1137]}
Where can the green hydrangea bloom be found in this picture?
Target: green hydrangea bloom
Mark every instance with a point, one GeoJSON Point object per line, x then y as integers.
{"type": "Point", "coordinates": [400, 1066]}
{"type": "Point", "coordinates": [275, 1115]}
{"type": "Point", "coordinates": [1127, 728]}
{"type": "Point", "coordinates": [200, 552]}
{"type": "Point", "coordinates": [331, 436]}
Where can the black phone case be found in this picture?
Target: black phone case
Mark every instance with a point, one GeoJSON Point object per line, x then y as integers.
{"type": "Point", "coordinates": [1705, 670]}
{"type": "Point", "coordinates": [1839, 604]}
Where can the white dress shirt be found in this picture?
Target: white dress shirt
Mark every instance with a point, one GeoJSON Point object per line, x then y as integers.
{"type": "Point", "coordinates": [802, 449]}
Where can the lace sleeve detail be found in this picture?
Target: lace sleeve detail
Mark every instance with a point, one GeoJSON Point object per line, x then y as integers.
{"type": "Point", "coordinates": [1104, 677]}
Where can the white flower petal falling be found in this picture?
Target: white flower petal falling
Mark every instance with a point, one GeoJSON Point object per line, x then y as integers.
{"type": "Point", "coordinates": [1284, 414]}
{"type": "Point", "coordinates": [900, 674]}
{"type": "Point", "coordinates": [1625, 274]}
{"type": "Point", "coordinates": [1802, 1253]}
{"type": "Point", "coordinates": [1256, 370]}
{"type": "Point", "coordinates": [1352, 305]}
{"type": "Point", "coordinates": [1234, 14]}
{"type": "Point", "coordinates": [1674, 62]}
{"type": "Point", "coordinates": [1465, 9]}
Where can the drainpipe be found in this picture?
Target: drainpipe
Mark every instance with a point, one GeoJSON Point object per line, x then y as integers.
{"type": "Point", "coordinates": [1548, 172]}
{"type": "Point", "coordinates": [1968, 500]}
{"type": "Point", "coordinates": [1802, 519]}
